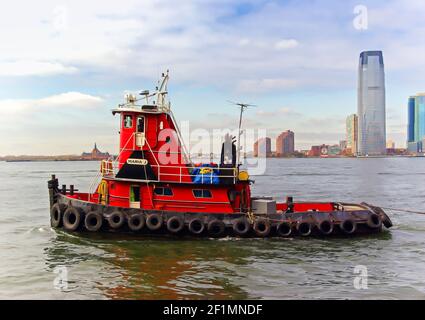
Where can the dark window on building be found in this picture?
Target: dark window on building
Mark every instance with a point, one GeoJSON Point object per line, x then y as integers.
{"type": "Point", "coordinates": [163, 191]}
{"type": "Point", "coordinates": [128, 121]}
{"type": "Point", "coordinates": [202, 193]}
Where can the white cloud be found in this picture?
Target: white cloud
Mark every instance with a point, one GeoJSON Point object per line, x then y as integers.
{"type": "Point", "coordinates": [286, 44]}
{"type": "Point", "coordinates": [34, 68]}
{"type": "Point", "coordinates": [140, 39]}
{"type": "Point", "coordinates": [72, 100]}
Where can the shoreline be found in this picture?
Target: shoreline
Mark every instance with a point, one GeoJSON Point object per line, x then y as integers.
{"type": "Point", "coordinates": [370, 157]}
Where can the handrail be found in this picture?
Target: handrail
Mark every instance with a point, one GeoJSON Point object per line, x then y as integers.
{"type": "Point", "coordinates": [177, 171]}
{"type": "Point", "coordinates": [99, 173]}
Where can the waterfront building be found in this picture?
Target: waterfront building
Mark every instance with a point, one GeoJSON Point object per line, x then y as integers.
{"type": "Point", "coordinates": [343, 145]}
{"type": "Point", "coordinates": [411, 119]}
{"type": "Point", "coordinates": [371, 104]}
{"type": "Point", "coordinates": [314, 151]}
{"type": "Point", "coordinates": [318, 151]}
{"type": "Point", "coordinates": [352, 133]}
{"type": "Point", "coordinates": [263, 147]}
{"type": "Point", "coordinates": [390, 144]}
{"type": "Point", "coordinates": [285, 144]}
{"type": "Point", "coordinates": [416, 123]}
{"type": "Point", "coordinates": [334, 150]}
{"type": "Point", "coordinates": [419, 117]}
{"type": "Point", "coordinates": [95, 154]}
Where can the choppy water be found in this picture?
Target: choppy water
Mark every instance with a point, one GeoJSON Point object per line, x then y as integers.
{"type": "Point", "coordinates": [32, 255]}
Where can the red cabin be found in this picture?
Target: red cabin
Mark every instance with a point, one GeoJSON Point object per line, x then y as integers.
{"type": "Point", "coordinates": [153, 169]}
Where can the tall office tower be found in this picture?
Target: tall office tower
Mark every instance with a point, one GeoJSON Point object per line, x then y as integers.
{"type": "Point", "coordinates": [263, 147]}
{"type": "Point", "coordinates": [416, 123]}
{"type": "Point", "coordinates": [371, 104]}
{"type": "Point", "coordinates": [419, 117]}
{"type": "Point", "coordinates": [411, 120]}
{"type": "Point", "coordinates": [285, 143]}
{"type": "Point", "coordinates": [352, 133]}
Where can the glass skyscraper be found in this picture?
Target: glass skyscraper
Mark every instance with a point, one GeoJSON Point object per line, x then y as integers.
{"type": "Point", "coordinates": [371, 104]}
{"type": "Point", "coordinates": [411, 120]}
{"type": "Point", "coordinates": [420, 117]}
{"type": "Point", "coordinates": [416, 123]}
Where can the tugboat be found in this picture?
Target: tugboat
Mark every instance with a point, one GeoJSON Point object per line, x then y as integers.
{"type": "Point", "coordinates": [152, 187]}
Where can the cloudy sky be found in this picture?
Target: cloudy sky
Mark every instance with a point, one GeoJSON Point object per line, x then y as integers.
{"type": "Point", "coordinates": [65, 65]}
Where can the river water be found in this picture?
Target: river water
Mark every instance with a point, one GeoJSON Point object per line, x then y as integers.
{"type": "Point", "coordinates": [37, 262]}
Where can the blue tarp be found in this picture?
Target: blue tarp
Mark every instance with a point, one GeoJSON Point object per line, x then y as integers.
{"type": "Point", "coordinates": [205, 174]}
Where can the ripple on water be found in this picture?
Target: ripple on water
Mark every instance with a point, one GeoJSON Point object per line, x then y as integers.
{"type": "Point", "coordinates": [126, 267]}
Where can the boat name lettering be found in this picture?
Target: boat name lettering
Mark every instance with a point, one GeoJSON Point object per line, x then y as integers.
{"type": "Point", "coordinates": [140, 162]}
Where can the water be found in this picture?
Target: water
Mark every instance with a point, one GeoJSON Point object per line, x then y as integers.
{"type": "Point", "coordinates": [32, 255]}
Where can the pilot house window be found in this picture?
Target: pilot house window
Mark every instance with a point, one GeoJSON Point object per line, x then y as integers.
{"type": "Point", "coordinates": [128, 121]}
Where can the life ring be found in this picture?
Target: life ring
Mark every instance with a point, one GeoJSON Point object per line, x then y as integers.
{"type": "Point", "coordinates": [71, 219]}
{"type": "Point", "coordinates": [196, 226]}
{"type": "Point", "coordinates": [348, 226]}
{"type": "Point", "coordinates": [262, 227]}
{"type": "Point", "coordinates": [241, 226]}
{"type": "Point", "coordinates": [284, 229]}
{"type": "Point", "coordinates": [116, 219]}
{"type": "Point", "coordinates": [325, 227]}
{"type": "Point", "coordinates": [374, 221]}
{"type": "Point", "coordinates": [304, 228]}
{"type": "Point", "coordinates": [93, 221]}
{"type": "Point", "coordinates": [216, 228]}
{"type": "Point", "coordinates": [154, 221]}
{"type": "Point", "coordinates": [175, 224]}
{"type": "Point", "coordinates": [136, 222]}
{"type": "Point", "coordinates": [56, 215]}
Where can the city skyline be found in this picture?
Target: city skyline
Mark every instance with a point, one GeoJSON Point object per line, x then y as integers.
{"type": "Point", "coordinates": [83, 57]}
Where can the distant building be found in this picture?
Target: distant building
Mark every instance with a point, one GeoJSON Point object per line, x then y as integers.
{"type": "Point", "coordinates": [318, 151]}
{"type": "Point", "coordinates": [334, 150]}
{"type": "Point", "coordinates": [371, 104]}
{"type": "Point", "coordinates": [314, 151]}
{"type": "Point", "coordinates": [285, 144]}
{"type": "Point", "coordinates": [352, 133]}
{"type": "Point", "coordinates": [416, 123]}
{"type": "Point", "coordinates": [411, 119]}
{"type": "Point", "coordinates": [263, 147]}
{"type": "Point", "coordinates": [95, 154]}
{"type": "Point", "coordinates": [343, 145]}
{"type": "Point", "coordinates": [390, 144]}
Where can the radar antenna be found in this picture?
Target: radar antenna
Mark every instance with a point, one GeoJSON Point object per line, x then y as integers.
{"type": "Point", "coordinates": [242, 107]}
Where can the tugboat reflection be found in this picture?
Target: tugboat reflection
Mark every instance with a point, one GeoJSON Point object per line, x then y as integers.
{"type": "Point", "coordinates": [127, 267]}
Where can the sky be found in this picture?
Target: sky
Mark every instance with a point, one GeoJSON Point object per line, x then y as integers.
{"type": "Point", "coordinates": [65, 65]}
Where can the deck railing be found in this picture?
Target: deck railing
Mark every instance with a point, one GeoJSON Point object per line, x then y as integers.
{"type": "Point", "coordinates": [171, 173]}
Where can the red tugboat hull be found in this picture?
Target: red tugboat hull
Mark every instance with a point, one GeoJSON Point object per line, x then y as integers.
{"type": "Point", "coordinates": [73, 212]}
